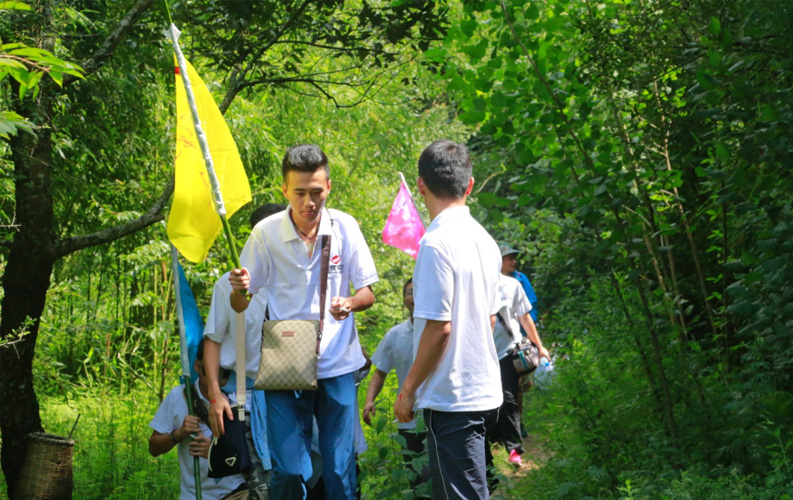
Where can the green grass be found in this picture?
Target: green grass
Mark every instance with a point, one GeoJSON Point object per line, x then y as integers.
{"type": "Point", "coordinates": [111, 459]}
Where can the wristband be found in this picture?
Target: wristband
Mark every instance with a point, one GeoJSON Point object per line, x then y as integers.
{"type": "Point", "coordinates": [173, 438]}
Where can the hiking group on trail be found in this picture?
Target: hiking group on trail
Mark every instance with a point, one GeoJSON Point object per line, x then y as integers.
{"type": "Point", "coordinates": [451, 356]}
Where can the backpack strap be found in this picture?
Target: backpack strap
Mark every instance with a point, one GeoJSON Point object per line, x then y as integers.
{"type": "Point", "coordinates": [199, 409]}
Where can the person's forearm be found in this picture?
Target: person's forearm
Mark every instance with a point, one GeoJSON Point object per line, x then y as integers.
{"type": "Point", "coordinates": [431, 346]}
{"type": "Point", "coordinates": [375, 386]}
{"type": "Point", "coordinates": [362, 300]}
{"type": "Point", "coordinates": [212, 366]}
{"type": "Point", "coordinates": [531, 329]}
{"type": "Point", "coordinates": [162, 443]}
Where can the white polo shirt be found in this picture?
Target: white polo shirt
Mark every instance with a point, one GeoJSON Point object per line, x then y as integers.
{"type": "Point", "coordinates": [395, 351]}
{"type": "Point", "coordinates": [221, 327]}
{"type": "Point", "coordinates": [278, 260]}
{"type": "Point", "coordinates": [169, 417]}
{"type": "Point", "coordinates": [514, 304]}
{"type": "Point", "coordinates": [456, 280]}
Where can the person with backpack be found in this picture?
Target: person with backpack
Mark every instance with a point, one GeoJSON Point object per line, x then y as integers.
{"type": "Point", "coordinates": [173, 426]}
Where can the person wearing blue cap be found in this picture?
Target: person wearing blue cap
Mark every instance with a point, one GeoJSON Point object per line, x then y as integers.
{"type": "Point", "coordinates": [509, 267]}
{"type": "Point", "coordinates": [514, 313]}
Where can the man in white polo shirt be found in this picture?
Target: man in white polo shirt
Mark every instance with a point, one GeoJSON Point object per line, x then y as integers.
{"type": "Point", "coordinates": [515, 312]}
{"type": "Point", "coordinates": [455, 376]}
{"type": "Point", "coordinates": [220, 351]}
{"type": "Point", "coordinates": [173, 425]}
{"type": "Point", "coordinates": [280, 256]}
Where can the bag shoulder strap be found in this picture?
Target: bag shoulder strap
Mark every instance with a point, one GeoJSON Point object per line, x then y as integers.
{"type": "Point", "coordinates": [504, 323]}
{"type": "Point", "coordinates": [323, 283]}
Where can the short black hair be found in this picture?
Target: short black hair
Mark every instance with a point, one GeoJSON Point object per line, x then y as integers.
{"type": "Point", "coordinates": [405, 286]}
{"type": "Point", "coordinates": [224, 373]}
{"type": "Point", "coordinates": [304, 158]}
{"type": "Point", "coordinates": [445, 167]}
{"type": "Point", "coordinates": [265, 211]}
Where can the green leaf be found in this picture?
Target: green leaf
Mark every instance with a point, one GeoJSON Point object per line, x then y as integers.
{"type": "Point", "coordinates": [476, 52]}
{"type": "Point", "coordinates": [714, 58]}
{"type": "Point", "coordinates": [468, 27]}
{"type": "Point", "coordinates": [483, 84]}
{"type": "Point", "coordinates": [12, 5]}
{"type": "Point", "coordinates": [705, 79]}
{"type": "Point", "coordinates": [722, 153]}
{"type": "Point", "coordinates": [533, 12]}
{"type": "Point", "coordinates": [715, 26]}
{"type": "Point", "coordinates": [725, 39]}
{"type": "Point", "coordinates": [737, 289]}
{"type": "Point", "coordinates": [57, 76]}
{"type": "Point", "coordinates": [498, 100]}
{"type": "Point", "coordinates": [380, 424]}
{"type": "Point", "coordinates": [768, 113]}
{"type": "Point", "coordinates": [34, 53]}
{"type": "Point", "coordinates": [11, 123]}
{"type": "Point", "coordinates": [471, 117]}
{"type": "Point", "coordinates": [488, 200]}
{"type": "Point", "coordinates": [435, 54]}
{"type": "Point", "coordinates": [400, 440]}
{"type": "Point", "coordinates": [12, 63]}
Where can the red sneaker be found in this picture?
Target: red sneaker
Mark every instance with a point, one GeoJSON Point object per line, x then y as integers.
{"type": "Point", "coordinates": [514, 458]}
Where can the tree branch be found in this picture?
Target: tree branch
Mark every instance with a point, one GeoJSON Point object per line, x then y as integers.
{"type": "Point", "coordinates": [241, 74]}
{"type": "Point", "coordinates": [303, 79]}
{"type": "Point", "coordinates": [107, 48]}
{"type": "Point", "coordinates": [334, 48]}
{"type": "Point", "coordinates": [71, 244]}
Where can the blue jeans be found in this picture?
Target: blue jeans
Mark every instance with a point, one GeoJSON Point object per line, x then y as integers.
{"type": "Point", "coordinates": [289, 428]}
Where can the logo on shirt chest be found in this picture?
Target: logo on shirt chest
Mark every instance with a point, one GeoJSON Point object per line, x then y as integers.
{"type": "Point", "coordinates": [335, 266]}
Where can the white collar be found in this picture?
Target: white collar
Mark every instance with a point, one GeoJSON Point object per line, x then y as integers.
{"type": "Point", "coordinates": [448, 214]}
{"type": "Point", "coordinates": [288, 231]}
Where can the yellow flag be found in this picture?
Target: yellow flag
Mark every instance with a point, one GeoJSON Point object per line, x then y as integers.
{"type": "Point", "coordinates": [193, 223]}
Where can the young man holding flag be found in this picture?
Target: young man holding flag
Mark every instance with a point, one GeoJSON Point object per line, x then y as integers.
{"type": "Point", "coordinates": [280, 256]}
{"type": "Point", "coordinates": [221, 352]}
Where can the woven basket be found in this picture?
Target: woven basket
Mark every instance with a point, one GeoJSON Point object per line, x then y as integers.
{"type": "Point", "coordinates": [47, 469]}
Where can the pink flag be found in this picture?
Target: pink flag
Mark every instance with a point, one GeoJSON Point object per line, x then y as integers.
{"type": "Point", "coordinates": [404, 227]}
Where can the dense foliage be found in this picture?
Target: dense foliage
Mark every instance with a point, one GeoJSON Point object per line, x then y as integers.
{"type": "Point", "coordinates": [638, 152]}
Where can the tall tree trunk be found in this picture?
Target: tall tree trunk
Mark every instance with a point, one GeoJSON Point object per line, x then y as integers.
{"type": "Point", "coordinates": [25, 283]}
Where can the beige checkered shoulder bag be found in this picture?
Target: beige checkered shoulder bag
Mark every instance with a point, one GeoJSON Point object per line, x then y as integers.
{"type": "Point", "coordinates": [290, 347]}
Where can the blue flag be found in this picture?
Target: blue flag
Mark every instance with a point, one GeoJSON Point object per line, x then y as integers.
{"type": "Point", "coordinates": [193, 324]}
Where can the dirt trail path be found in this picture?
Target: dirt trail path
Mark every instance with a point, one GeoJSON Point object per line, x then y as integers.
{"type": "Point", "coordinates": [534, 456]}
